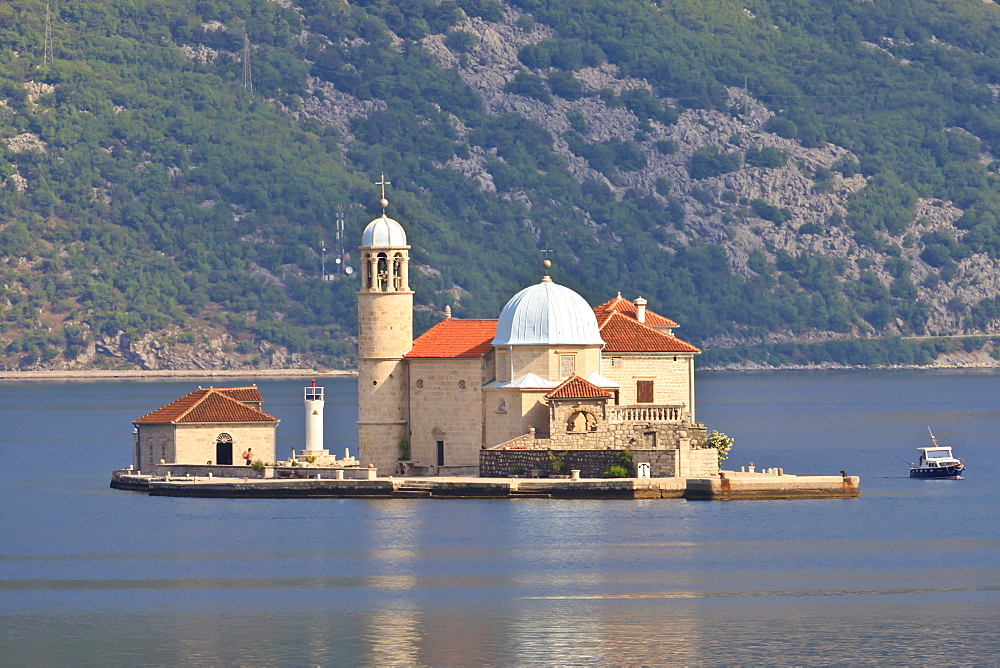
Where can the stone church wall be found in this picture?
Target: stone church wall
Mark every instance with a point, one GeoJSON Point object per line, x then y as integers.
{"type": "Point", "coordinates": [446, 405]}
{"type": "Point", "coordinates": [156, 442]}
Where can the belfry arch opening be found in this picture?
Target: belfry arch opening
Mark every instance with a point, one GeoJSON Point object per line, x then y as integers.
{"type": "Point", "coordinates": [385, 272]}
{"type": "Point", "coordinates": [382, 272]}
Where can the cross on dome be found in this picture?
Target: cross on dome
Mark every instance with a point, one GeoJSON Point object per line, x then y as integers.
{"type": "Point", "coordinates": [546, 263]}
{"type": "Point", "coordinates": [383, 202]}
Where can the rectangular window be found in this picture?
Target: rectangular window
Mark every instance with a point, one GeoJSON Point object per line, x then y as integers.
{"type": "Point", "coordinates": [616, 363]}
{"type": "Point", "coordinates": [567, 365]}
{"type": "Point", "coordinates": [503, 370]}
{"type": "Point", "coordinates": [643, 391]}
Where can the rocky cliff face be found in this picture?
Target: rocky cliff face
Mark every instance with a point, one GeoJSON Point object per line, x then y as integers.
{"type": "Point", "coordinates": [168, 350]}
{"type": "Point", "coordinates": [715, 207]}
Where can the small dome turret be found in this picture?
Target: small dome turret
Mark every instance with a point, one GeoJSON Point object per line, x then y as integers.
{"type": "Point", "coordinates": [383, 232]}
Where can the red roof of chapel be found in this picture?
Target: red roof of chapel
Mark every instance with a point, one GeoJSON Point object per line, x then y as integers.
{"type": "Point", "coordinates": [224, 404]}
{"type": "Point", "coordinates": [576, 387]}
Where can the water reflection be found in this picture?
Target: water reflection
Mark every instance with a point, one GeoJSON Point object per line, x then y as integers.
{"type": "Point", "coordinates": [90, 576]}
{"type": "Point", "coordinates": [392, 636]}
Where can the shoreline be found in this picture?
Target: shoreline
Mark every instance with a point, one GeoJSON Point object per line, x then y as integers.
{"type": "Point", "coordinates": [104, 374]}
{"type": "Point", "coordinates": [111, 374]}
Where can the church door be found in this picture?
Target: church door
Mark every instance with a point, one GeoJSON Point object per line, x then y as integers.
{"type": "Point", "coordinates": [224, 449]}
{"type": "Point", "coordinates": [440, 445]}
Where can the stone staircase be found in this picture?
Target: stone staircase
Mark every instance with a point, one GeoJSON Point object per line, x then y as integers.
{"type": "Point", "coordinates": [410, 489]}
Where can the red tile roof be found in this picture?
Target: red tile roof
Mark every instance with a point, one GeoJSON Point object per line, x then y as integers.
{"type": "Point", "coordinates": [576, 387]}
{"type": "Point", "coordinates": [210, 405]}
{"type": "Point", "coordinates": [456, 337]}
{"type": "Point", "coordinates": [472, 338]}
{"type": "Point", "coordinates": [244, 394]}
{"type": "Point", "coordinates": [621, 305]}
{"type": "Point", "coordinates": [623, 334]}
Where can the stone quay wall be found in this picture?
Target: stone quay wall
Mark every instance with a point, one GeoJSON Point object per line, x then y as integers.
{"type": "Point", "coordinates": [590, 463]}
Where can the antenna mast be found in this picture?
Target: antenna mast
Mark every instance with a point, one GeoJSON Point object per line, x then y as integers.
{"type": "Point", "coordinates": [340, 238]}
{"type": "Point", "coordinates": [47, 47]}
{"type": "Point", "coordinates": [247, 73]}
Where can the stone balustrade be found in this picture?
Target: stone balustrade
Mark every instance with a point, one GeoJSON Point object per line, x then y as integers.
{"type": "Point", "coordinates": [622, 414]}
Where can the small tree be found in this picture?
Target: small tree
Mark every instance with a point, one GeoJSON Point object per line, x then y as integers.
{"type": "Point", "coordinates": [557, 462]}
{"type": "Point", "coordinates": [625, 459]}
{"type": "Point", "coordinates": [721, 443]}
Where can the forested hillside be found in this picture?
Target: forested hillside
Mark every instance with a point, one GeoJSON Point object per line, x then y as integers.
{"type": "Point", "coordinates": [791, 181]}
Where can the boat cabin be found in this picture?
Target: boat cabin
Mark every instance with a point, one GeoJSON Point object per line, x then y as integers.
{"type": "Point", "coordinates": [935, 457]}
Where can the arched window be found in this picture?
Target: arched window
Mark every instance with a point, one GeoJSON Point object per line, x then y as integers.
{"type": "Point", "coordinates": [581, 421]}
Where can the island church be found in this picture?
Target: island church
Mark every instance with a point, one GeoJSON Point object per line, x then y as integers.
{"type": "Point", "coordinates": [550, 373]}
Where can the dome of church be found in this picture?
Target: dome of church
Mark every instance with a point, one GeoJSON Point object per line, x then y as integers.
{"type": "Point", "coordinates": [547, 314]}
{"type": "Point", "coordinates": [383, 232]}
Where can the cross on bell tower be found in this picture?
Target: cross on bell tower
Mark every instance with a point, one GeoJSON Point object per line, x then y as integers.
{"type": "Point", "coordinates": [384, 203]}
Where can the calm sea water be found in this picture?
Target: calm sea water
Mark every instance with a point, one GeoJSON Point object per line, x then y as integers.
{"type": "Point", "coordinates": [907, 574]}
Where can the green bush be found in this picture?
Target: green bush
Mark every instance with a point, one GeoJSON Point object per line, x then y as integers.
{"type": "Point", "coordinates": [768, 157]}
{"type": "Point", "coordinates": [666, 146]}
{"type": "Point", "coordinates": [528, 85]}
{"type": "Point", "coordinates": [557, 462]}
{"type": "Point", "coordinates": [565, 85]}
{"type": "Point", "coordinates": [776, 215]}
{"type": "Point", "coordinates": [615, 471]}
{"type": "Point", "coordinates": [461, 41]}
{"type": "Point", "coordinates": [708, 162]}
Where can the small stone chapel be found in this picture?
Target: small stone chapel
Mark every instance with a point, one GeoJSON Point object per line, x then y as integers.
{"type": "Point", "coordinates": [206, 426]}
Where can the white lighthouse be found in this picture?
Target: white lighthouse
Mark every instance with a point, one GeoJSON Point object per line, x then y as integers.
{"type": "Point", "coordinates": [314, 454]}
{"type": "Point", "coordinates": [314, 422]}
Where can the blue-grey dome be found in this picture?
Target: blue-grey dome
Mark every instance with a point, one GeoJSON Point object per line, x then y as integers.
{"type": "Point", "coordinates": [547, 314]}
{"type": "Point", "coordinates": [383, 232]}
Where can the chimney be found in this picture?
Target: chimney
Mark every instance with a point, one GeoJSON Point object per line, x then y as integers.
{"type": "Point", "coordinates": [640, 309]}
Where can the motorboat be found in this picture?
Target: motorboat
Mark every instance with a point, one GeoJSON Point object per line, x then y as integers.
{"type": "Point", "coordinates": [937, 461]}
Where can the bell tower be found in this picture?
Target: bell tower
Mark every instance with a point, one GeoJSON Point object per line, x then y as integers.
{"type": "Point", "coordinates": [385, 334]}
